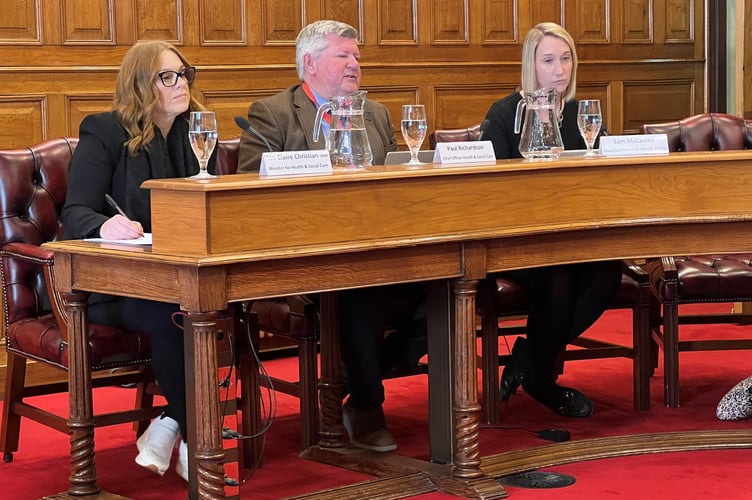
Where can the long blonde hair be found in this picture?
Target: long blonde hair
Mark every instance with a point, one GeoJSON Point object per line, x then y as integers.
{"type": "Point", "coordinates": [532, 40]}
{"type": "Point", "coordinates": [136, 95]}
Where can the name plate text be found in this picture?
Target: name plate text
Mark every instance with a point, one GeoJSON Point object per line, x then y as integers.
{"type": "Point", "coordinates": [282, 163]}
{"type": "Point", "coordinates": [464, 152]}
{"type": "Point", "coordinates": [634, 145]}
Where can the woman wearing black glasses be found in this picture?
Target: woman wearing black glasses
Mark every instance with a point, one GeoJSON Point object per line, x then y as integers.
{"type": "Point", "coordinates": [145, 136]}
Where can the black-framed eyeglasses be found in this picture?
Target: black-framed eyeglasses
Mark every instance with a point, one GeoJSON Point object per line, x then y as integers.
{"type": "Point", "coordinates": [170, 78]}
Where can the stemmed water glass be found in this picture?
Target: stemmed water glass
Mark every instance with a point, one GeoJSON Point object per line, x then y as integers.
{"type": "Point", "coordinates": [589, 121]}
{"type": "Point", "coordinates": [414, 129]}
{"type": "Point", "coordinates": [202, 132]}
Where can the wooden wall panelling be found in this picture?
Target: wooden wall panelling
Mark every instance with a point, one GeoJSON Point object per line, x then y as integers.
{"type": "Point", "coordinates": [229, 104]}
{"type": "Point", "coordinates": [589, 21]}
{"type": "Point", "coordinates": [461, 106]}
{"type": "Point", "coordinates": [679, 25]}
{"type": "Point", "coordinates": [544, 11]}
{"type": "Point", "coordinates": [449, 22]}
{"type": "Point", "coordinates": [651, 102]}
{"type": "Point", "coordinates": [281, 21]}
{"type": "Point", "coordinates": [637, 22]}
{"type": "Point", "coordinates": [222, 22]}
{"type": "Point", "coordinates": [88, 21]}
{"type": "Point", "coordinates": [160, 20]}
{"type": "Point", "coordinates": [78, 107]}
{"type": "Point", "coordinates": [498, 22]}
{"type": "Point", "coordinates": [397, 22]}
{"type": "Point", "coordinates": [21, 120]}
{"type": "Point", "coordinates": [247, 50]}
{"type": "Point", "coordinates": [21, 24]}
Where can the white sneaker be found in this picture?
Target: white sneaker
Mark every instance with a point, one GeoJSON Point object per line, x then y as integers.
{"type": "Point", "coordinates": [156, 445]}
{"type": "Point", "coordinates": [182, 466]}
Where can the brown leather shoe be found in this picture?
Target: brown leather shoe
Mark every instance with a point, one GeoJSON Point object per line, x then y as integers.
{"type": "Point", "coordinates": [367, 429]}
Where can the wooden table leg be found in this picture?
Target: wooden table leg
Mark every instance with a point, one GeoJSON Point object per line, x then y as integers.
{"type": "Point", "coordinates": [83, 478]}
{"type": "Point", "coordinates": [206, 455]}
{"type": "Point", "coordinates": [466, 406]}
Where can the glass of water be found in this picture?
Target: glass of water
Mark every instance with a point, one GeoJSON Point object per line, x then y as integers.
{"type": "Point", "coordinates": [414, 129]}
{"type": "Point", "coordinates": [589, 120]}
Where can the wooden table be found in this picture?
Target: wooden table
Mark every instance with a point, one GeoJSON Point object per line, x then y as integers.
{"type": "Point", "coordinates": [240, 237]}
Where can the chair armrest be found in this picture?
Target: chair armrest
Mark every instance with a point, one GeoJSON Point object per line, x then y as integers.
{"type": "Point", "coordinates": [636, 272]}
{"type": "Point", "coordinates": [30, 253]}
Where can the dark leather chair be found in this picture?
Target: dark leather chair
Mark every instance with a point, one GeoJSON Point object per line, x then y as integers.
{"type": "Point", "coordinates": [510, 301]}
{"type": "Point", "coordinates": [688, 279]}
{"type": "Point", "coordinates": [471, 133]}
{"type": "Point", "coordinates": [33, 184]}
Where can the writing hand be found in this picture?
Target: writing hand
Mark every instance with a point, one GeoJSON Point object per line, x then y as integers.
{"type": "Point", "coordinates": [118, 227]}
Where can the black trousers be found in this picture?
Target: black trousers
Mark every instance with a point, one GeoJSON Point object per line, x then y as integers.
{"type": "Point", "coordinates": [365, 315]}
{"type": "Point", "coordinates": [565, 301]}
{"type": "Point", "coordinates": [167, 355]}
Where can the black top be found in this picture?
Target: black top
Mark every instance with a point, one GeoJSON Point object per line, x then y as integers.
{"type": "Point", "coordinates": [500, 129]}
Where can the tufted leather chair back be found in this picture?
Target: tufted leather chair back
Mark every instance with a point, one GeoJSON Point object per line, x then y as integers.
{"type": "Point", "coordinates": [471, 133]}
{"type": "Point", "coordinates": [705, 132]}
{"type": "Point", "coordinates": [33, 183]}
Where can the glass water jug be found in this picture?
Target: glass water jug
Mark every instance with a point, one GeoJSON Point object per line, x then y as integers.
{"type": "Point", "coordinates": [347, 141]}
{"type": "Point", "coordinates": [540, 139]}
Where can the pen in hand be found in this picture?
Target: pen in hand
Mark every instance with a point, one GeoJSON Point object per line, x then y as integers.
{"type": "Point", "coordinates": [114, 205]}
{"type": "Point", "coordinates": [120, 229]}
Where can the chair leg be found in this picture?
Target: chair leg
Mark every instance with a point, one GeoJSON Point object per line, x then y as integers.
{"type": "Point", "coordinates": [15, 378]}
{"type": "Point", "coordinates": [247, 374]}
{"type": "Point", "coordinates": [308, 385]}
{"type": "Point", "coordinates": [671, 354]}
{"type": "Point", "coordinates": [490, 367]}
{"type": "Point", "coordinates": [641, 349]}
{"type": "Point", "coordinates": [144, 399]}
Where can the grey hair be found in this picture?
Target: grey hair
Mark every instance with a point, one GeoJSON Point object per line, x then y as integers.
{"type": "Point", "coordinates": [312, 39]}
{"type": "Point", "coordinates": [529, 47]}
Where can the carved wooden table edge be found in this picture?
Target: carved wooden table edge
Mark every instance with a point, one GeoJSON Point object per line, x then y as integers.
{"type": "Point", "coordinates": [406, 476]}
{"type": "Point", "coordinates": [513, 462]}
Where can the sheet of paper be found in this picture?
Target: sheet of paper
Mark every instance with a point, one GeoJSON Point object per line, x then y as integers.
{"type": "Point", "coordinates": [143, 240]}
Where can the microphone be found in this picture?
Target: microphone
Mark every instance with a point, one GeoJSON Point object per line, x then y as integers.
{"type": "Point", "coordinates": [483, 126]}
{"type": "Point", "coordinates": [246, 125]}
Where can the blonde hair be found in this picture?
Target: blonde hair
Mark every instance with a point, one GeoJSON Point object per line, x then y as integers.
{"type": "Point", "coordinates": [136, 95]}
{"type": "Point", "coordinates": [530, 46]}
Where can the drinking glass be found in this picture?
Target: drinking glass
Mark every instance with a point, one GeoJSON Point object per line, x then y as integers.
{"type": "Point", "coordinates": [589, 121]}
{"type": "Point", "coordinates": [414, 129]}
{"type": "Point", "coordinates": [202, 132]}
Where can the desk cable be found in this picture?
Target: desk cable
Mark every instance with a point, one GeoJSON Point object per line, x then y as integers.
{"type": "Point", "coordinates": [268, 405]}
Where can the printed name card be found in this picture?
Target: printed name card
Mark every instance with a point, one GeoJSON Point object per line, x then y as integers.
{"type": "Point", "coordinates": [464, 152]}
{"type": "Point", "coordinates": [634, 145]}
{"type": "Point", "coordinates": [282, 163]}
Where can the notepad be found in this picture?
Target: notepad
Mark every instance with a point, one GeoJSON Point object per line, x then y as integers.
{"type": "Point", "coordinates": [143, 240]}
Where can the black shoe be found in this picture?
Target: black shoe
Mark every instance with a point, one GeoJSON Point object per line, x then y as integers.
{"type": "Point", "coordinates": [565, 401]}
{"type": "Point", "coordinates": [515, 372]}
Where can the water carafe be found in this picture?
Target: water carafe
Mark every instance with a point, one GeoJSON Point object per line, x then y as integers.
{"type": "Point", "coordinates": [347, 141]}
{"type": "Point", "coordinates": [540, 139]}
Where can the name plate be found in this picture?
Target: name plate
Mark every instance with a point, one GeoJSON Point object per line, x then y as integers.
{"type": "Point", "coordinates": [464, 152]}
{"type": "Point", "coordinates": [282, 163]}
{"type": "Point", "coordinates": [634, 145]}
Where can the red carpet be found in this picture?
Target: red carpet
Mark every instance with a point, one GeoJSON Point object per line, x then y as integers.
{"type": "Point", "coordinates": [41, 466]}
